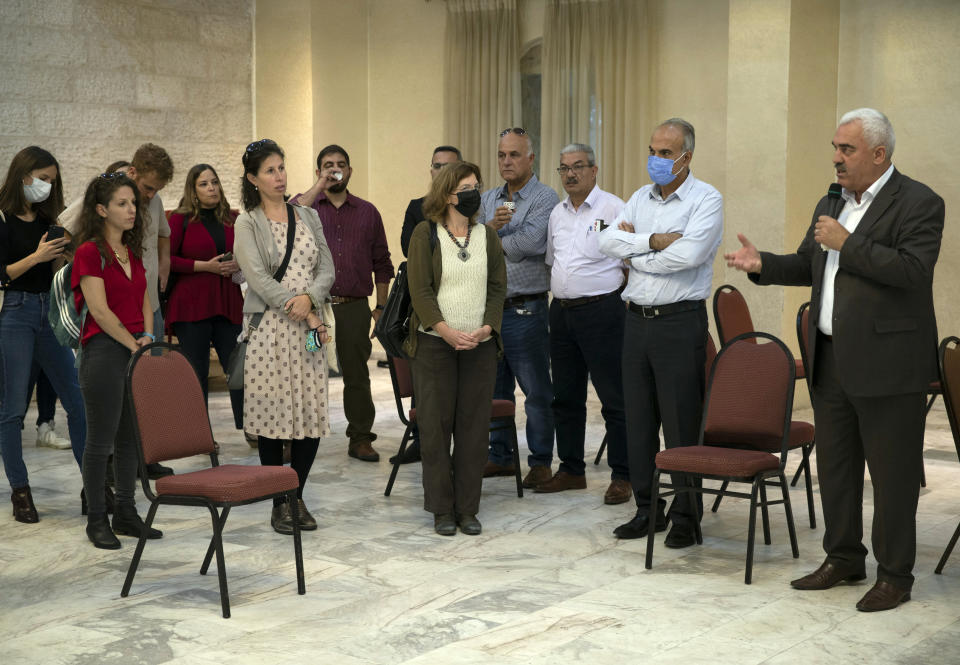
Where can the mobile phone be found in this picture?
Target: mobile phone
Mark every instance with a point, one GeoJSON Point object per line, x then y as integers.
{"type": "Point", "coordinates": [54, 232]}
{"type": "Point", "coordinates": [226, 257]}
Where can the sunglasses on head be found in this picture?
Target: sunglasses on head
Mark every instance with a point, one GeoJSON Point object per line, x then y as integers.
{"type": "Point", "coordinates": [256, 145]}
{"type": "Point", "coordinates": [520, 131]}
{"type": "Point", "coordinates": [112, 175]}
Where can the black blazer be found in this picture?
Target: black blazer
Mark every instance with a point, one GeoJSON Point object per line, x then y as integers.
{"type": "Point", "coordinates": [884, 326]}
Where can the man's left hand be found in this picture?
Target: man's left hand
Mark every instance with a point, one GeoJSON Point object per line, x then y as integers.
{"type": "Point", "coordinates": [375, 314]}
{"type": "Point", "coordinates": [830, 233]}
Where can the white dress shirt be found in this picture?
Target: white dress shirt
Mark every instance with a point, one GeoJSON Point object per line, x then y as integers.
{"type": "Point", "coordinates": [849, 219]}
{"type": "Point", "coordinates": [682, 271]}
{"type": "Point", "coordinates": [578, 267]}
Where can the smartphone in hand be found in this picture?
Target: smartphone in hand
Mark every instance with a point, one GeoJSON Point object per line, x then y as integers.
{"type": "Point", "coordinates": [54, 232]}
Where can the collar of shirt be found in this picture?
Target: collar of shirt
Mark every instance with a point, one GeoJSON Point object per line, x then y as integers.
{"type": "Point", "coordinates": [523, 192]}
{"type": "Point", "coordinates": [351, 199]}
{"type": "Point", "coordinates": [590, 201]}
{"type": "Point", "coordinates": [681, 192]}
{"type": "Point", "coordinates": [871, 192]}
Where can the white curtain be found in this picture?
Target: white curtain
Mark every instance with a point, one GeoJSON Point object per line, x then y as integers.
{"type": "Point", "coordinates": [482, 78]}
{"type": "Point", "coordinates": [597, 88]}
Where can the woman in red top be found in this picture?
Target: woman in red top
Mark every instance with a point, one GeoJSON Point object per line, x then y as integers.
{"type": "Point", "coordinates": [108, 276]}
{"type": "Point", "coordinates": [206, 303]}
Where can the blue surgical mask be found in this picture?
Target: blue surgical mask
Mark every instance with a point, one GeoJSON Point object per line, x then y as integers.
{"type": "Point", "coordinates": [661, 169]}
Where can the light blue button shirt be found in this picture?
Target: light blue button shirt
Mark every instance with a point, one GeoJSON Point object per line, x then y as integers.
{"type": "Point", "coordinates": [524, 237]}
{"type": "Point", "coordinates": [682, 271]}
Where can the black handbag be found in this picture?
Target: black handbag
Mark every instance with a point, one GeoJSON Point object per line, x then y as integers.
{"type": "Point", "coordinates": [392, 327]}
{"type": "Point", "coordinates": [234, 368]}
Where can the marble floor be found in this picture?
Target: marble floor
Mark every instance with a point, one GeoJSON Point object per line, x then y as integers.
{"type": "Point", "coordinates": [545, 583]}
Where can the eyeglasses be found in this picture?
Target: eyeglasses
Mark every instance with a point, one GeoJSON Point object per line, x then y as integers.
{"type": "Point", "coordinates": [256, 145]}
{"type": "Point", "coordinates": [519, 131]}
{"type": "Point", "coordinates": [468, 188]}
{"type": "Point", "coordinates": [577, 168]}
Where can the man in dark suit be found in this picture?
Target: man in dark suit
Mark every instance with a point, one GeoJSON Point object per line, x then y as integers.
{"type": "Point", "coordinates": [874, 337]}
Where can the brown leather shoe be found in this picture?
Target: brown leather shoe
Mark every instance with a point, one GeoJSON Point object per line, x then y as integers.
{"type": "Point", "coordinates": [364, 451]}
{"type": "Point", "coordinates": [826, 576]}
{"type": "Point", "coordinates": [23, 508]}
{"type": "Point", "coordinates": [562, 481]}
{"type": "Point", "coordinates": [537, 475]}
{"type": "Point", "coordinates": [883, 596]}
{"type": "Point", "coordinates": [620, 491]}
{"type": "Point", "coordinates": [493, 469]}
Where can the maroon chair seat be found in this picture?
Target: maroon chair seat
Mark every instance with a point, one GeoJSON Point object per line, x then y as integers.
{"type": "Point", "coordinates": [715, 461]}
{"type": "Point", "coordinates": [230, 483]}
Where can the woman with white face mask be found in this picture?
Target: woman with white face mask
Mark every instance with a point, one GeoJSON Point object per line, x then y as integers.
{"type": "Point", "coordinates": [31, 244]}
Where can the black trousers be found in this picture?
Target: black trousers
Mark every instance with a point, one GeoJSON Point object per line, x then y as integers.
{"type": "Point", "coordinates": [195, 338]}
{"type": "Point", "coordinates": [353, 349]}
{"type": "Point", "coordinates": [587, 340]}
{"type": "Point", "coordinates": [886, 433]}
{"type": "Point", "coordinates": [454, 390]}
{"type": "Point", "coordinates": [663, 380]}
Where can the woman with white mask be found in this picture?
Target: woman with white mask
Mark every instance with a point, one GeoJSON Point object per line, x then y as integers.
{"type": "Point", "coordinates": [31, 247]}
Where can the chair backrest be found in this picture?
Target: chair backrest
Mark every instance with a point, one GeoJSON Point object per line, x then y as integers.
{"type": "Point", "coordinates": [169, 412]}
{"type": "Point", "coordinates": [711, 356]}
{"type": "Point", "coordinates": [750, 395]}
{"type": "Point", "coordinates": [803, 338]}
{"type": "Point", "coordinates": [950, 383]}
{"type": "Point", "coordinates": [731, 314]}
{"type": "Point", "coordinates": [402, 379]}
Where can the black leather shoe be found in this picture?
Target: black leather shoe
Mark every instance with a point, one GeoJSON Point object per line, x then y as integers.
{"type": "Point", "coordinates": [445, 524]}
{"type": "Point", "coordinates": [307, 521]}
{"type": "Point", "coordinates": [126, 522]}
{"type": "Point", "coordinates": [281, 519]}
{"type": "Point", "coordinates": [155, 471]}
{"type": "Point", "coordinates": [883, 596]}
{"type": "Point", "coordinates": [680, 536]}
{"type": "Point", "coordinates": [109, 500]}
{"type": "Point", "coordinates": [637, 527]}
{"type": "Point", "coordinates": [410, 455]}
{"type": "Point", "coordinates": [23, 508]}
{"type": "Point", "coordinates": [100, 534]}
{"type": "Point", "coordinates": [826, 576]}
{"type": "Point", "coordinates": [469, 524]}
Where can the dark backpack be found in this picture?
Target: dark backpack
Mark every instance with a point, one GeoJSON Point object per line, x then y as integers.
{"type": "Point", "coordinates": [66, 321]}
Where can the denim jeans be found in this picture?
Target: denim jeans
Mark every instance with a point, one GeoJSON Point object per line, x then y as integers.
{"type": "Point", "coordinates": [526, 360]}
{"type": "Point", "coordinates": [46, 395]}
{"type": "Point", "coordinates": [25, 337]}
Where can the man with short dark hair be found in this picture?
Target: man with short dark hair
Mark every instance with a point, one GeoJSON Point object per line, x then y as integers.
{"type": "Point", "coordinates": [520, 210]}
{"type": "Point", "coordinates": [873, 339]}
{"type": "Point", "coordinates": [354, 231]}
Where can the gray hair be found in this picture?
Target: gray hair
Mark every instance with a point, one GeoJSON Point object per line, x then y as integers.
{"type": "Point", "coordinates": [877, 129]}
{"type": "Point", "coordinates": [689, 135]}
{"type": "Point", "coordinates": [580, 147]}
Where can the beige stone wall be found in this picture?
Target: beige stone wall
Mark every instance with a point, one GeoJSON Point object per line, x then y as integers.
{"type": "Point", "coordinates": [90, 80]}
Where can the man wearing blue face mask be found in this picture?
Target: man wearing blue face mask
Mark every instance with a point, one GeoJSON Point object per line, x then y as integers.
{"type": "Point", "coordinates": [667, 234]}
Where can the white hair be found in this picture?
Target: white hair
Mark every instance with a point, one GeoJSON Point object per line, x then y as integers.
{"type": "Point", "coordinates": [877, 129]}
{"type": "Point", "coordinates": [689, 135]}
{"type": "Point", "coordinates": [580, 147]}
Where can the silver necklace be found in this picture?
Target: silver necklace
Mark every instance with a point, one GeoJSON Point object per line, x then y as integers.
{"type": "Point", "coordinates": [462, 254]}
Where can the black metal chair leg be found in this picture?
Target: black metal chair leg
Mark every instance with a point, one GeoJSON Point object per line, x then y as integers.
{"type": "Point", "coordinates": [652, 524]}
{"type": "Point", "coordinates": [135, 562]}
{"type": "Point", "coordinates": [948, 551]}
{"type": "Point", "coordinates": [751, 531]}
{"type": "Point", "coordinates": [221, 567]}
{"type": "Point", "coordinates": [808, 480]}
{"type": "Point", "coordinates": [210, 547]}
{"type": "Point", "coordinates": [516, 457]}
{"type": "Point", "coordinates": [765, 513]}
{"type": "Point", "coordinates": [297, 547]}
{"type": "Point", "coordinates": [603, 446]}
{"type": "Point", "coordinates": [716, 503]}
{"type": "Point", "coordinates": [804, 464]}
{"type": "Point", "coordinates": [396, 465]}
{"type": "Point", "coordinates": [788, 509]}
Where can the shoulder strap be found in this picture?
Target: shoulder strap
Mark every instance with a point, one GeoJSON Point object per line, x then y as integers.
{"type": "Point", "coordinates": [433, 236]}
{"type": "Point", "coordinates": [291, 233]}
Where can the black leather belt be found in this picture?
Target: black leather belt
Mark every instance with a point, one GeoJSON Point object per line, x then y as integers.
{"type": "Point", "coordinates": [653, 311]}
{"type": "Point", "coordinates": [342, 300]}
{"type": "Point", "coordinates": [576, 302]}
{"type": "Point", "coordinates": [516, 301]}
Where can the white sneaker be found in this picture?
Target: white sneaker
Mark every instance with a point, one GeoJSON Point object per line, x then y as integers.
{"type": "Point", "coordinates": [47, 436]}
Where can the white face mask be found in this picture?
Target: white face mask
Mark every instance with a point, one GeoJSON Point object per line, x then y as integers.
{"type": "Point", "coordinates": [37, 191]}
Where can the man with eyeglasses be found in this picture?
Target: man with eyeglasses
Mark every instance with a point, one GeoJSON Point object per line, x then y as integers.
{"type": "Point", "coordinates": [668, 234]}
{"type": "Point", "coordinates": [442, 155]}
{"type": "Point", "coordinates": [520, 210]}
{"type": "Point", "coordinates": [586, 326]}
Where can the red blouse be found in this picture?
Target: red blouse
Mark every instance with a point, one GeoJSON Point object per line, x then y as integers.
{"type": "Point", "coordinates": [200, 295]}
{"type": "Point", "coordinates": [124, 296]}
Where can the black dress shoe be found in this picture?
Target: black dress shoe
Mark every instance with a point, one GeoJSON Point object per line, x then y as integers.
{"type": "Point", "coordinates": [637, 527]}
{"type": "Point", "coordinates": [445, 524]}
{"type": "Point", "coordinates": [826, 576]}
{"type": "Point", "coordinates": [307, 521]}
{"type": "Point", "coordinates": [680, 536]}
{"type": "Point", "coordinates": [155, 471]}
{"type": "Point", "coordinates": [469, 524]}
{"type": "Point", "coordinates": [281, 519]}
{"type": "Point", "coordinates": [410, 455]}
{"type": "Point", "coordinates": [100, 534]}
{"type": "Point", "coordinates": [126, 522]}
{"type": "Point", "coordinates": [109, 500]}
{"type": "Point", "coordinates": [883, 596]}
